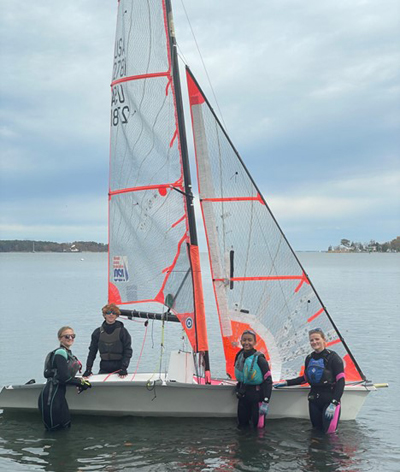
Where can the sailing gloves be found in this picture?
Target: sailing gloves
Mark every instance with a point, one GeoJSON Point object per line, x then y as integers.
{"type": "Point", "coordinates": [280, 384]}
{"type": "Point", "coordinates": [123, 373]}
{"type": "Point", "coordinates": [85, 384]}
{"type": "Point", "coordinates": [330, 411]}
{"type": "Point", "coordinates": [87, 373]}
{"type": "Point", "coordinates": [264, 408]}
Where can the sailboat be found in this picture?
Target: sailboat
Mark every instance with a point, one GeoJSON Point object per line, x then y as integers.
{"type": "Point", "coordinates": [154, 261]}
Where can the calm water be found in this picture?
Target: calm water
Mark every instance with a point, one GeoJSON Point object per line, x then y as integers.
{"type": "Point", "coordinates": [41, 292]}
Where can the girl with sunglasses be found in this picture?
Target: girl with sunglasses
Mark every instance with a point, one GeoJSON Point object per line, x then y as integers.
{"type": "Point", "coordinates": [60, 369]}
{"type": "Point", "coordinates": [324, 371]}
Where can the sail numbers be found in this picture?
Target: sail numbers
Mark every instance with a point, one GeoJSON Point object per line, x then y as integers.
{"type": "Point", "coordinates": [120, 112]}
{"type": "Point", "coordinates": [119, 68]}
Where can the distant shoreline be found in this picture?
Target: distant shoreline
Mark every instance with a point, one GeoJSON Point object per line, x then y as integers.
{"type": "Point", "coordinates": [30, 246]}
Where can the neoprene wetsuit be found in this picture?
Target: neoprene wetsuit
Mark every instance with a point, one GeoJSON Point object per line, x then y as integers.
{"type": "Point", "coordinates": [324, 371]}
{"type": "Point", "coordinates": [60, 370]}
{"type": "Point", "coordinates": [250, 395]}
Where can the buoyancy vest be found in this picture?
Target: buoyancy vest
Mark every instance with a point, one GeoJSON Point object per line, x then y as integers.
{"type": "Point", "coordinates": [110, 345]}
{"type": "Point", "coordinates": [247, 370]}
{"type": "Point", "coordinates": [318, 372]}
{"type": "Point", "coordinates": [73, 364]}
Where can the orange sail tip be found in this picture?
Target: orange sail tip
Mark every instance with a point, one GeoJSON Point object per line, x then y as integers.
{"type": "Point", "coordinates": [113, 294]}
{"type": "Point", "coordinates": [195, 96]}
{"type": "Point", "coordinates": [350, 370]}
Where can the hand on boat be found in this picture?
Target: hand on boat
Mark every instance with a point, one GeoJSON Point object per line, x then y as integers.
{"type": "Point", "coordinates": [85, 384]}
{"type": "Point", "coordinates": [280, 384]}
{"type": "Point", "coordinates": [123, 373]}
{"type": "Point", "coordinates": [330, 411]}
{"type": "Point", "coordinates": [87, 373]}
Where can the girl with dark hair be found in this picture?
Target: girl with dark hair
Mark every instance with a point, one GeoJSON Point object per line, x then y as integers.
{"type": "Point", "coordinates": [254, 383]}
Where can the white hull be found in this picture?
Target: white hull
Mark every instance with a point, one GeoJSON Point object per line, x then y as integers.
{"type": "Point", "coordinates": [112, 396]}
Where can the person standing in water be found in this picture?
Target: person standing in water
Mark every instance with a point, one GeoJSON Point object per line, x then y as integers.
{"type": "Point", "coordinates": [60, 369]}
{"type": "Point", "coordinates": [254, 382]}
{"type": "Point", "coordinates": [113, 341]}
{"type": "Point", "coordinates": [324, 371]}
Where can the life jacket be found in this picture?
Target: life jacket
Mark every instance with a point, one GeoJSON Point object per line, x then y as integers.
{"type": "Point", "coordinates": [247, 370]}
{"type": "Point", "coordinates": [110, 345]}
{"type": "Point", "coordinates": [318, 372]}
{"type": "Point", "coordinates": [50, 371]}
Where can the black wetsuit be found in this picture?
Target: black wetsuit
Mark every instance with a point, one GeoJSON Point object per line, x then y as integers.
{"type": "Point", "coordinates": [250, 396]}
{"type": "Point", "coordinates": [330, 387]}
{"type": "Point", "coordinates": [60, 372]}
{"type": "Point", "coordinates": [113, 341]}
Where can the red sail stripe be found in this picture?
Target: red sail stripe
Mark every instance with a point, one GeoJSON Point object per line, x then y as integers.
{"type": "Point", "coordinates": [138, 189]}
{"type": "Point", "coordinates": [233, 199]}
{"type": "Point", "coordinates": [170, 268]}
{"type": "Point", "coordinates": [315, 316]}
{"type": "Point", "coordinates": [177, 222]}
{"type": "Point", "coordinates": [304, 279]}
{"type": "Point", "coordinates": [331, 343]}
{"type": "Point", "coordinates": [173, 138]}
{"type": "Point", "coordinates": [277, 277]}
{"type": "Point", "coordinates": [168, 85]}
{"type": "Point", "coordinates": [141, 76]}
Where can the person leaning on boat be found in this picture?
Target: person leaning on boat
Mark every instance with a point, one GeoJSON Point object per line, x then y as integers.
{"type": "Point", "coordinates": [113, 342]}
{"type": "Point", "coordinates": [324, 371]}
{"type": "Point", "coordinates": [60, 369]}
{"type": "Point", "coordinates": [254, 382]}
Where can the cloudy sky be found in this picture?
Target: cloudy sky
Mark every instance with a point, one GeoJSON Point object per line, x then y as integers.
{"type": "Point", "coordinates": [309, 92]}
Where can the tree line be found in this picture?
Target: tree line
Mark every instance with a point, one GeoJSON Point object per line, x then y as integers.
{"type": "Point", "coordinates": [49, 246]}
{"type": "Point", "coordinates": [373, 246]}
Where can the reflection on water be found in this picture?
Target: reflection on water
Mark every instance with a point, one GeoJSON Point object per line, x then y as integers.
{"type": "Point", "coordinates": [146, 444]}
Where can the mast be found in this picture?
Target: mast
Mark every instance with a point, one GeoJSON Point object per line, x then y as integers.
{"type": "Point", "coordinates": [181, 126]}
{"type": "Point", "coordinates": [193, 249]}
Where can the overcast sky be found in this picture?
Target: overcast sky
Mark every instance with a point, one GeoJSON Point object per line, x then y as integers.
{"type": "Point", "coordinates": [309, 92]}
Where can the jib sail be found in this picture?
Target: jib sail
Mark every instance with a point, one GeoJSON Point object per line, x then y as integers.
{"type": "Point", "coordinates": [258, 280]}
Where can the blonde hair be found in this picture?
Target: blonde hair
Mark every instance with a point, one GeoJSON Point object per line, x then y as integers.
{"type": "Point", "coordinates": [61, 331]}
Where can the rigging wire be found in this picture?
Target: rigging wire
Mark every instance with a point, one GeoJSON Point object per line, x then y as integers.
{"type": "Point", "coordinates": [146, 324]}
{"type": "Point", "coordinates": [202, 61]}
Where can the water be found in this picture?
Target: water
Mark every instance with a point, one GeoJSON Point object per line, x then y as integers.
{"type": "Point", "coordinates": [41, 292]}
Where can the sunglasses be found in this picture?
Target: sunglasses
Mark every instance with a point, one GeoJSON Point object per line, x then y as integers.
{"type": "Point", "coordinates": [69, 336]}
{"type": "Point", "coordinates": [110, 313]}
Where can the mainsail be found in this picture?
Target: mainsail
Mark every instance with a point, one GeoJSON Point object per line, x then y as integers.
{"type": "Point", "coordinates": [153, 253]}
{"type": "Point", "coordinates": [258, 281]}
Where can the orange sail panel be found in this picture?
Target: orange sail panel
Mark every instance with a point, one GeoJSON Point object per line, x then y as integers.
{"type": "Point", "coordinates": [258, 280]}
